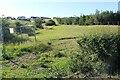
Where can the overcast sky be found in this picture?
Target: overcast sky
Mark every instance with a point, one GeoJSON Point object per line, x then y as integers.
{"type": "Point", "coordinates": [55, 8]}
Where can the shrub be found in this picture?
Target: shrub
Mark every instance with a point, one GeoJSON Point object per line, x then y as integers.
{"type": "Point", "coordinates": [30, 30]}
{"type": "Point", "coordinates": [38, 23]}
{"type": "Point", "coordinates": [50, 23]}
{"type": "Point", "coordinates": [12, 38]}
{"type": "Point", "coordinates": [86, 64]}
{"type": "Point", "coordinates": [105, 47]}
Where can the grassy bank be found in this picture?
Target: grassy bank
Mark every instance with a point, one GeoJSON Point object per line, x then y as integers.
{"type": "Point", "coordinates": [50, 56]}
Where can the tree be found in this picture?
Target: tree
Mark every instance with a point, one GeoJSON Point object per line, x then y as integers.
{"type": "Point", "coordinates": [103, 18]}
{"type": "Point", "coordinates": [97, 11]}
{"type": "Point", "coordinates": [18, 27]}
{"type": "Point", "coordinates": [38, 23]}
{"type": "Point", "coordinates": [50, 23]}
{"type": "Point", "coordinates": [76, 21]}
{"type": "Point", "coordinates": [82, 20]}
{"type": "Point", "coordinates": [5, 25]}
{"type": "Point", "coordinates": [8, 37]}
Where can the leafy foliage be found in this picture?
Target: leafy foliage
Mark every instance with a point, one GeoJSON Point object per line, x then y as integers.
{"type": "Point", "coordinates": [9, 38]}
{"type": "Point", "coordinates": [60, 50]}
{"type": "Point", "coordinates": [103, 18]}
{"type": "Point", "coordinates": [30, 30]}
{"type": "Point", "coordinates": [50, 23]}
{"type": "Point", "coordinates": [105, 47]}
{"type": "Point", "coordinates": [38, 23]}
{"type": "Point", "coordinates": [86, 64]}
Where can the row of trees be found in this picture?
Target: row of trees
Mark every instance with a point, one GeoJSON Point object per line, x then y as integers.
{"type": "Point", "coordinates": [103, 18]}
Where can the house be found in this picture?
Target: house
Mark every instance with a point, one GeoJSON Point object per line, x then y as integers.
{"type": "Point", "coordinates": [32, 18]}
{"type": "Point", "coordinates": [45, 18]}
{"type": "Point", "coordinates": [21, 18]}
{"type": "Point", "coordinates": [10, 18]}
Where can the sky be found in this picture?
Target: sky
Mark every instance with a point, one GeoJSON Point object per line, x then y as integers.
{"type": "Point", "coordinates": [55, 8]}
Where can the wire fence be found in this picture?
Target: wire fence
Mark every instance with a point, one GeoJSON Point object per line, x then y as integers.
{"type": "Point", "coordinates": [18, 34]}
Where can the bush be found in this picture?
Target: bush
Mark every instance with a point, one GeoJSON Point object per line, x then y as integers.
{"type": "Point", "coordinates": [86, 64]}
{"type": "Point", "coordinates": [38, 23]}
{"type": "Point", "coordinates": [50, 23]}
{"type": "Point", "coordinates": [12, 38]}
{"type": "Point", "coordinates": [9, 38]}
{"type": "Point", "coordinates": [105, 47]}
{"type": "Point", "coordinates": [28, 30]}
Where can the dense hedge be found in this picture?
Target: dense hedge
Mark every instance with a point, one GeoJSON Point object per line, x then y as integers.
{"type": "Point", "coordinates": [99, 54]}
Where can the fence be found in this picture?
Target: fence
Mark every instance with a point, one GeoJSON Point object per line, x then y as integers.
{"type": "Point", "coordinates": [13, 35]}
{"type": "Point", "coordinates": [16, 35]}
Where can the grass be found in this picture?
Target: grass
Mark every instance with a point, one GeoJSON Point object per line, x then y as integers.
{"type": "Point", "coordinates": [73, 31]}
{"type": "Point", "coordinates": [62, 40]}
{"type": "Point", "coordinates": [12, 22]}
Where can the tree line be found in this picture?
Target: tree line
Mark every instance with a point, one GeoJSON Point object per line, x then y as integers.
{"type": "Point", "coordinates": [99, 18]}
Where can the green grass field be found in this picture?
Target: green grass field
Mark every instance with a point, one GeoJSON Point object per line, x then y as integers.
{"type": "Point", "coordinates": [74, 31]}
{"type": "Point", "coordinates": [62, 40]}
